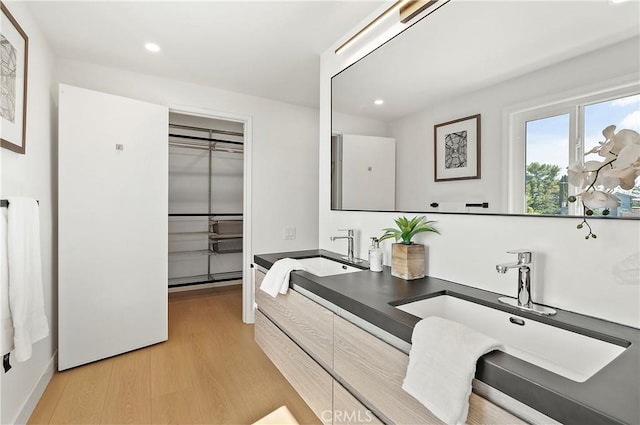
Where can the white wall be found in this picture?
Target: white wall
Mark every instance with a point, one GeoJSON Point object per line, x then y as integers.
{"type": "Point", "coordinates": [285, 163]}
{"type": "Point", "coordinates": [597, 277]}
{"type": "Point", "coordinates": [34, 175]}
{"type": "Point", "coordinates": [351, 124]}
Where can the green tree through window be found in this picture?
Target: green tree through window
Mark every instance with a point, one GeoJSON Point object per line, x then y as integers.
{"type": "Point", "coordinates": [543, 189]}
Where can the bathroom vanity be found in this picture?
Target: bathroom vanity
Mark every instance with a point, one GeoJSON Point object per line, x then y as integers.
{"type": "Point", "coordinates": [343, 343]}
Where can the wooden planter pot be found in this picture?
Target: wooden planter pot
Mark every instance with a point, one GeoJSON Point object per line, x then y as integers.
{"type": "Point", "coordinates": [408, 261]}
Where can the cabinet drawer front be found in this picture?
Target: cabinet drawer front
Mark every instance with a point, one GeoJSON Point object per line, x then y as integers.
{"type": "Point", "coordinates": [376, 370]}
{"type": "Point", "coordinates": [348, 410]}
{"type": "Point", "coordinates": [305, 321]}
{"type": "Point", "coordinates": [313, 383]}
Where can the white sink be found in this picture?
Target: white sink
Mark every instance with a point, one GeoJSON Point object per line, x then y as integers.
{"type": "Point", "coordinates": [566, 353]}
{"type": "Point", "coordinates": [321, 266]}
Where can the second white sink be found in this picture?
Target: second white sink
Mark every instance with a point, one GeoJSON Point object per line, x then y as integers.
{"type": "Point", "coordinates": [569, 354]}
{"type": "Point", "coordinates": [321, 266]}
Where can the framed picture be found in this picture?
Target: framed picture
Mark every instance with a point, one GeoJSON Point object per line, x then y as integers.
{"type": "Point", "coordinates": [457, 149]}
{"type": "Point", "coordinates": [14, 55]}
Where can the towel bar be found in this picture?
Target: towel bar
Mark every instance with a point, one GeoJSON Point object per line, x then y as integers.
{"type": "Point", "coordinates": [480, 205]}
{"type": "Point", "coordinates": [4, 203]}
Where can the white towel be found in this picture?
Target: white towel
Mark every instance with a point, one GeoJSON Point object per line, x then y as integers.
{"type": "Point", "coordinates": [26, 299]}
{"type": "Point", "coordinates": [6, 325]}
{"type": "Point", "coordinates": [442, 364]}
{"type": "Point", "coordinates": [277, 279]}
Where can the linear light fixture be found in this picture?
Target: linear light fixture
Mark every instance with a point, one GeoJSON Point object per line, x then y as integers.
{"type": "Point", "coordinates": [370, 25]}
{"type": "Point", "coordinates": [409, 9]}
{"type": "Point", "coordinates": [413, 8]}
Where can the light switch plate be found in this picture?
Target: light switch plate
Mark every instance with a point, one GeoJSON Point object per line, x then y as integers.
{"type": "Point", "coordinates": [289, 232]}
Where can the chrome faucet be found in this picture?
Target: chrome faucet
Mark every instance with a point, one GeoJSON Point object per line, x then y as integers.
{"type": "Point", "coordinates": [525, 271]}
{"type": "Point", "coordinates": [350, 242]}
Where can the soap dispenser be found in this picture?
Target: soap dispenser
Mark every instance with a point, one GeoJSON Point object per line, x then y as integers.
{"type": "Point", "coordinates": [375, 255]}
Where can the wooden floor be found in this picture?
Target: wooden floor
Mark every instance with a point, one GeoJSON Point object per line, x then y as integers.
{"type": "Point", "coordinates": [209, 372]}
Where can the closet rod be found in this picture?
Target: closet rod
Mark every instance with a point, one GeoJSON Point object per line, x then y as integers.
{"type": "Point", "coordinates": [206, 139]}
{"type": "Point", "coordinates": [208, 130]}
{"type": "Point", "coordinates": [188, 145]}
{"type": "Point", "coordinates": [4, 203]}
{"type": "Point", "coordinates": [207, 215]}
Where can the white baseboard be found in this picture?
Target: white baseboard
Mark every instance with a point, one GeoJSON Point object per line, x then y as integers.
{"type": "Point", "coordinates": [38, 389]}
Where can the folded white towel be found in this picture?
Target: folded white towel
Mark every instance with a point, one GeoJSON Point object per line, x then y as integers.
{"type": "Point", "coordinates": [277, 279]}
{"type": "Point", "coordinates": [26, 299]}
{"type": "Point", "coordinates": [442, 364]}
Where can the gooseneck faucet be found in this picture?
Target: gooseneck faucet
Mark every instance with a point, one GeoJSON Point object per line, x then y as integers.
{"type": "Point", "coordinates": [350, 243]}
{"type": "Point", "coordinates": [524, 264]}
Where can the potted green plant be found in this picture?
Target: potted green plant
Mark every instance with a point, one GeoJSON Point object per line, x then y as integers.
{"type": "Point", "coordinates": [407, 257]}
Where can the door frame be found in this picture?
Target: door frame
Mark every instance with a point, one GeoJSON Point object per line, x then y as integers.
{"type": "Point", "coordinates": [248, 313]}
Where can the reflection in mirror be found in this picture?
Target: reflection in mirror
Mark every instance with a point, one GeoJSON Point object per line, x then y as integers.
{"type": "Point", "coordinates": [546, 77]}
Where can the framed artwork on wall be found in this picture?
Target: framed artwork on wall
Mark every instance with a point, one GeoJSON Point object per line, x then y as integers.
{"type": "Point", "coordinates": [457, 149]}
{"type": "Point", "coordinates": [14, 56]}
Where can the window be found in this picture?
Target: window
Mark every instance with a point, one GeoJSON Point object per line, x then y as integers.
{"type": "Point", "coordinates": [556, 135]}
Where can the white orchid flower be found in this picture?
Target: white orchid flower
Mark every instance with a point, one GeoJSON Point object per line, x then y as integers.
{"type": "Point", "coordinates": [624, 138]}
{"type": "Point", "coordinates": [609, 132]}
{"type": "Point", "coordinates": [593, 165]}
{"type": "Point", "coordinates": [575, 174]}
{"type": "Point", "coordinates": [597, 199]}
{"type": "Point", "coordinates": [627, 156]}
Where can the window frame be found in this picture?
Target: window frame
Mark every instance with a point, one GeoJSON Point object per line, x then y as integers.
{"type": "Point", "coordinates": [573, 105]}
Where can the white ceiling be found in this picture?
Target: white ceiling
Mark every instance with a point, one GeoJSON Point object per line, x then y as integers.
{"type": "Point", "coordinates": [262, 48]}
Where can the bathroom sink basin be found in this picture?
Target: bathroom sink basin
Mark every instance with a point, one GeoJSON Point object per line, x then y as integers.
{"type": "Point", "coordinates": [321, 266]}
{"type": "Point", "coordinates": [566, 353]}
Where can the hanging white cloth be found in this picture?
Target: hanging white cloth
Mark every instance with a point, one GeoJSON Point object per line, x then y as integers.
{"type": "Point", "coordinates": [26, 298]}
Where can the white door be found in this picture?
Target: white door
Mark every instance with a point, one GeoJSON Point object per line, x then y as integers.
{"type": "Point", "coordinates": [368, 172]}
{"type": "Point", "coordinates": [112, 224]}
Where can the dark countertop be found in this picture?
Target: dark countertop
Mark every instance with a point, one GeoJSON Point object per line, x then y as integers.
{"type": "Point", "coordinates": [611, 396]}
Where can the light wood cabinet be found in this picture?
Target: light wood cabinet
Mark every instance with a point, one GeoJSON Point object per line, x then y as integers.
{"type": "Point", "coordinates": [376, 370]}
{"type": "Point", "coordinates": [311, 346]}
{"type": "Point", "coordinates": [348, 410]}
{"type": "Point", "coordinates": [305, 321]}
{"type": "Point", "coordinates": [310, 380]}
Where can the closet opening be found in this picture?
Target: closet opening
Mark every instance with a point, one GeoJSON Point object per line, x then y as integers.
{"type": "Point", "coordinates": [206, 202]}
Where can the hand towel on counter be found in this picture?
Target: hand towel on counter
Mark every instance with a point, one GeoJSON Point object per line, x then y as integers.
{"type": "Point", "coordinates": [277, 279]}
{"type": "Point", "coordinates": [442, 364]}
{"type": "Point", "coordinates": [26, 298]}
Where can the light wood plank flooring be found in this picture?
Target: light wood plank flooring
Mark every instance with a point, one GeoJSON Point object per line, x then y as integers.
{"type": "Point", "coordinates": [209, 372]}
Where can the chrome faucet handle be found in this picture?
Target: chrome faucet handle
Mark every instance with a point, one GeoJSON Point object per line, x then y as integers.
{"type": "Point", "coordinates": [349, 231]}
{"type": "Point", "coordinates": [524, 255]}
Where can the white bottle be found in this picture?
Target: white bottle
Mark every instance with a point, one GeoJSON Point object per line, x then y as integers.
{"type": "Point", "coordinates": [375, 256]}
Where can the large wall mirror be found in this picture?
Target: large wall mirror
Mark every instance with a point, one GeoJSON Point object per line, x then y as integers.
{"type": "Point", "coordinates": [482, 105]}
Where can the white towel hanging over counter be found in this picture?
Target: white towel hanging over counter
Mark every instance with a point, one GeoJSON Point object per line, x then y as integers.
{"type": "Point", "coordinates": [21, 278]}
{"type": "Point", "coordinates": [442, 364]}
{"type": "Point", "coordinates": [276, 280]}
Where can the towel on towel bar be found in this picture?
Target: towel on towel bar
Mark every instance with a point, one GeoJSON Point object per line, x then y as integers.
{"type": "Point", "coordinates": [442, 364]}
{"type": "Point", "coordinates": [277, 279]}
{"type": "Point", "coordinates": [6, 325]}
{"type": "Point", "coordinates": [28, 321]}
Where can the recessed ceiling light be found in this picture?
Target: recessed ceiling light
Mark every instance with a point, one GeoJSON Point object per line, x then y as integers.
{"type": "Point", "coordinates": [152, 47]}
{"type": "Point", "coordinates": [378, 101]}
{"type": "Point", "coordinates": [617, 1]}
